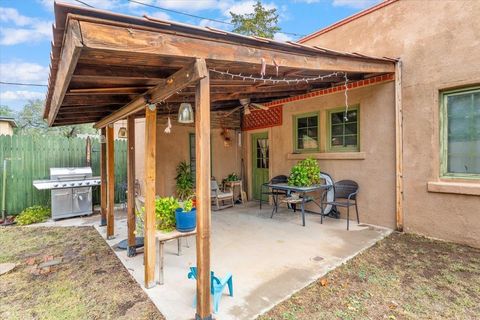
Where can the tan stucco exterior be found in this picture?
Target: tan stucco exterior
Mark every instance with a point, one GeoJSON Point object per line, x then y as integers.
{"type": "Point", "coordinates": [438, 43]}
{"type": "Point", "coordinates": [173, 148]}
{"type": "Point", "coordinates": [6, 128]}
{"type": "Point", "coordinates": [373, 167]}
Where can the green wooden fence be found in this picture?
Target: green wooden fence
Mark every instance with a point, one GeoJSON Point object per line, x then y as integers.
{"type": "Point", "coordinates": [30, 158]}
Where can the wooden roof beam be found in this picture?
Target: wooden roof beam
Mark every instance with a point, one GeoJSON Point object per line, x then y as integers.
{"type": "Point", "coordinates": [97, 35]}
{"type": "Point", "coordinates": [176, 82]}
{"type": "Point", "coordinates": [71, 50]}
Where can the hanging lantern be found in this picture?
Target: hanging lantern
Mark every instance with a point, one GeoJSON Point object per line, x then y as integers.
{"type": "Point", "coordinates": [122, 132]}
{"type": "Point", "coordinates": [185, 113]}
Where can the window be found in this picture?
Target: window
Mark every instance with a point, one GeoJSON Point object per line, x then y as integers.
{"type": "Point", "coordinates": [460, 133]}
{"type": "Point", "coordinates": [343, 133]}
{"type": "Point", "coordinates": [306, 134]}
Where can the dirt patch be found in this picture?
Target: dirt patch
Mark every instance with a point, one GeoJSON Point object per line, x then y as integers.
{"type": "Point", "coordinates": [401, 277]}
{"type": "Point", "coordinates": [67, 273]}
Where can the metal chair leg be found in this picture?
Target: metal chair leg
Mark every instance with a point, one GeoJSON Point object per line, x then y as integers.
{"type": "Point", "coordinates": [275, 196]}
{"type": "Point", "coordinates": [348, 218]}
{"type": "Point", "coordinates": [356, 209]}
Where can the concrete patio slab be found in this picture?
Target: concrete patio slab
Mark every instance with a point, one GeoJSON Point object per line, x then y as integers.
{"type": "Point", "coordinates": [270, 259]}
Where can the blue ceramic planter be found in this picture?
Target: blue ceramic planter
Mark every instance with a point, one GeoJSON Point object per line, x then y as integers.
{"type": "Point", "coordinates": [186, 221]}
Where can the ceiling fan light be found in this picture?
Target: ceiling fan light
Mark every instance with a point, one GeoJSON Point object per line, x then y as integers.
{"type": "Point", "coordinates": [185, 113]}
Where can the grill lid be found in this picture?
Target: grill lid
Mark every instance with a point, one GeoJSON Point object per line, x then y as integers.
{"type": "Point", "coordinates": [79, 173]}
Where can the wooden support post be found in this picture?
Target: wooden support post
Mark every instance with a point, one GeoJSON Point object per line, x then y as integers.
{"type": "Point", "coordinates": [150, 168]}
{"type": "Point", "coordinates": [398, 146]}
{"type": "Point", "coordinates": [103, 179]}
{"type": "Point", "coordinates": [110, 182]}
{"type": "Point", "coordinates": [131, 248]}
{"type": "Point", "coordinates": [202, 145]}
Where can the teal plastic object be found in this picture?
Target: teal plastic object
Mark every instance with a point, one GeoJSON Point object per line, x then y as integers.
{"type": "Point", "coordinates": [216, 286]}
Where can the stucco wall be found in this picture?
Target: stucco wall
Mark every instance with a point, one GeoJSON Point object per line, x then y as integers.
{"type": "Point", "coordinates": [174, 147]}
{"type": "Point", "coordinates": [438, 42]}
{"type": "Point", "coordinates": [6, 128]}
{"type": "Point", "coordinates": [373, 167]}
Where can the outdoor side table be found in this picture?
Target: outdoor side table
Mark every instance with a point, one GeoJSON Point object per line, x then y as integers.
{"type": "Point", "coordinates": [232, 185]}
{"type": "Point", "coordinates": [160, 239]}
{"type": "Point", "coordinates": [302, 191]}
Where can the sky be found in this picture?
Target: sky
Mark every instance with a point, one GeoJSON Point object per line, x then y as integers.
{"type": "Point", "coordinates": [26, 30]}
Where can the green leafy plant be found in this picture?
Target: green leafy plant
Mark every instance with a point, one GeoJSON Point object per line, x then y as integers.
{"type": "Point", "coordinates": [231, 177]}
{"type": "Point", "coordinates": [187, 205]}
{"type": "Point", "coordinates": [184, 185]}
{"type": "Point", "coordinates": [305, 173]}
{"type": "Point", "coordinates": [33, 214]}
{"type": "Point", "coordinates": [165, 213]}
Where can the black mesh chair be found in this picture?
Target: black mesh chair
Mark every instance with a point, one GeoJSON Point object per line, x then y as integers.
{"type": "Point", "coordinates": [265, 190]}
{"type": "Point", "coordinates": [346, 190]}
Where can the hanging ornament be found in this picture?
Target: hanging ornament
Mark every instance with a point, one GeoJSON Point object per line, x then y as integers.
{"type": "Point", "coordinates": [264, 67]}
{"type": "Point", "coordinates": [122, 132]}
{"type": "Point", "coordinates": [185, 113]}
{"type": "Point", "coordinates": [168, 129]}
{"type": "Point", "coordinates": [276, 67]}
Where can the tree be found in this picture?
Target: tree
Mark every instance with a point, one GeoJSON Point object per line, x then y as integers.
{"type": "Point", "coordinates": [30, 122]}
{"type": "Point", "coordinates": [5, 111]}
{"type": "Point", "coordinates": [262, 22]}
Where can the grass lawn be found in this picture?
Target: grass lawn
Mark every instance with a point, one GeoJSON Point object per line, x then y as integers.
{"type": "Point", "coordinates": [88, 283]}
{"type": "Point", "coordinates": [401, 277]}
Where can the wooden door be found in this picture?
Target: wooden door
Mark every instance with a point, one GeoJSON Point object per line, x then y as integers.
{"type": "Point", "coordinates": [260, 163]}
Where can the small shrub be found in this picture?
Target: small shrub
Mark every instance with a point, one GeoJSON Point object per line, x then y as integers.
{"type": "Point", "coordinates": [33, 214]}
{"type": "Point", "coordinates": [305, 173]}
{"type": "Point", "coordinates": [165, 213]}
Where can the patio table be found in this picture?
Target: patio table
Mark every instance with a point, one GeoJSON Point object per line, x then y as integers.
{"type": "Point", "coordinates": [302, 191]}
{"type": "Point", "coordinates": [160, 239]}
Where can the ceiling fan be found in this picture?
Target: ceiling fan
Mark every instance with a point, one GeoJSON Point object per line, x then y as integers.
{"type": "Point", "coordinates": [247, 106]}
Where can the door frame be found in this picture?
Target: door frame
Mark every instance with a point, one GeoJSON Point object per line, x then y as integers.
{"type": "Point", "coordinates": [253, 135]}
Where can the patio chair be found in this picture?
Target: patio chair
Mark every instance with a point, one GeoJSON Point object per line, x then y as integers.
{"type": "Point", "coordinates": [225, 197]}
{"type": "Point", "coordinates": [265, 190]}
{"type": "Point", "coordinates": [346, 190]}
{"type": "Point", "coordinates": [216, 286]}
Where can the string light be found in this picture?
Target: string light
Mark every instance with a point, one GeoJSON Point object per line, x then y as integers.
{"type": "Point", "coordinates": [276, 80]}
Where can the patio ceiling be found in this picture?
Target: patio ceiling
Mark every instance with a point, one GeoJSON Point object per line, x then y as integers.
{"type": "Point", "coordinates": [102, 62]}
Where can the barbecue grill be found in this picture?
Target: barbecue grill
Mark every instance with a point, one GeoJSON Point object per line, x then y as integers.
{"type": "Point", "coordinates": [71, 191]}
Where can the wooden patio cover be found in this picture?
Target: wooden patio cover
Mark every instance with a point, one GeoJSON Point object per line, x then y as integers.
{"type": "Point", "coordinates": [106, 67]}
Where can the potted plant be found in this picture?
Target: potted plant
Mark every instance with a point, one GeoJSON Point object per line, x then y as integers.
{"type": "Point", "coordinates": [231, 177]}
{"type": "Point", "coordinates": [305, 173]}
{"type": "Point", "coordinates": [186, 216]}
{"type": "Point", "coordinates": [184, 181]}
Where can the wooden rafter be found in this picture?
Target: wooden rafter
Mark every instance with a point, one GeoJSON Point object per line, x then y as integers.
{"type": "Point", "coordinates": [177, 81]}
{"type": "Point", "coordinates": [71, 50]}
{"type": "Point", "coordinates": [105, 36]}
